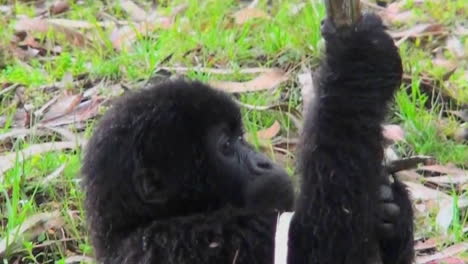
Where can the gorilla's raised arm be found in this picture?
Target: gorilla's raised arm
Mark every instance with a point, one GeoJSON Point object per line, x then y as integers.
{"type": "Point", "coordinates": [342, 153]}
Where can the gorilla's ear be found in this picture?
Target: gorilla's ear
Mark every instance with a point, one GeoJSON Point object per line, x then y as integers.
{"type": "Point", "coordinates": [150, 186]}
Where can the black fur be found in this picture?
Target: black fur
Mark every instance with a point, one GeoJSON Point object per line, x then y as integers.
{"type": "Point", "coordinates": [156, 192]}
{"type": "Point", "coordinates": [342, 154]}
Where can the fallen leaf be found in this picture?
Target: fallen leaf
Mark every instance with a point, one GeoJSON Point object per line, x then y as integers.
{"type": "Point", "coordinates": [266, 81]}
{"type": "Point", "coordinates": [42, 25]}
{"type": "Point", "coordinates": [270, 132]}
{"type": "Point", "coordinates": [448, 180]}
{"type": "Point", "coordinates": [84, 111]}
{"type": "Point", "coordinates": [8, 161]}
{"type": "Point", "coordinates": [447, 64]}
{"type": "Point", "coordinates": [423, 193]}
{"type": "Point", "coordinates": [409, 175]}
{"type": "Point", "coordinates": [79, 24]}
{"type": "Point", "coordinates": [420, 30]}
{"type": "Point", "coordinates": [63, 105]}
{"type": "Point", "coordinates": [393, 13]}
{"type": "Point", "coordinates": [21, 119]}
{"type": "Point", "coordinates": [393, 133]}
{"type": "Point", "coordinates": [29, 229]}
{"type": "Point", "coordinates": [455, 46]}
{"type": "Point", "coordinates": [121, 38]}
{"type": "Point", "coordinates": [136, 13]}
{"type": "Point", "coordinates": [249, 13]}
{"type": "Point", "coordinates": [436, 170]}
{"type": "Point", "coordinates": [430, 243]}
{"type": "Point", "coordinates": [15, 133]}
{"type": "Point", "coordinates": [66, 135]}
{"type": "Point", "coordinates": [59, 7]}
{"type": "Point", "coordinates": [448, 260]}
{"type": "Point", "coordinates": [448, 252]}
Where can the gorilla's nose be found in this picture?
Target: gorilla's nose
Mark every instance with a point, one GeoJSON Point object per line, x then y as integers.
{"type": "Point", "coordinates": [260, 164]}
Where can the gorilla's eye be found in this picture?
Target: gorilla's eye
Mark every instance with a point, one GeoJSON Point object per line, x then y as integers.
{"type": "Point", "coordinates": [228, 147]}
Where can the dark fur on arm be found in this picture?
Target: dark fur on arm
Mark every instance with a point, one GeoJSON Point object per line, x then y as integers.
{"type": "Point", "coordinates": [342, 149]}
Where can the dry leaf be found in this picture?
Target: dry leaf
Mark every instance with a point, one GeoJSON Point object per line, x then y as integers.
{"type": "Point", "coordinates": [393, 13]}
{"type": "Point", "coordinates": [447, 64]}
{"type": "Point", "coordinates": [29, 229]}
{"type": "Point", "coordinates": [436, 170]}
{"type": "Point", "coordinates": [420, 30]}
{"type": "Point", "coordinates": [423, 193]}
{"type": "Point", "coordinates": [44, 26]}
{"type": "Point", "coordinates": [84, 111]}
{"type": "Point", "coordinates": [455, 46]}
{"type": "Point", "coordinates": [448, 180]}
{"type": "Point", "coordinates": [15, 133]}
{"type": "Point", "coordinates": [448, 260]}
{"type": "Point", "coordinates": [393, 132]}
{"type": "Point", "coordinates": [8, 161]}
{"type": "Point", "coordinates": [79, 24]}
{"type": "Point", "coordinates": [430, 243]}
{"type": "Point", "coordinates": [246, 14]}
{"type": "Point", "coordinates": [270, 132]}
{"type": "Point", "coordinates": [409, 175]}
{"type": "Point", "coordinates": [265, 81]}
{"type": "Point", "coordinates": [62, 106]}
{"type": "Point", "coordinates": [123, 37]}
{"type": "Point", "coordinates": [136, 13]}
{"type": "Point", "coordinates": [59, 7]}
{"type": "Point", "coordinates": [448, 252]}
{"type": "Point", "coordinates": [66, 135]}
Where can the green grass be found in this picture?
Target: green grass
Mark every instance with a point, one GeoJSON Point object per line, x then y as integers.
{"type": "Point", "coordinates": [203, 35]}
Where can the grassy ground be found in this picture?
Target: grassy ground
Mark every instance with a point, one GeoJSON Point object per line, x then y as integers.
{"type": "Point", "coordinates": [202, 35]}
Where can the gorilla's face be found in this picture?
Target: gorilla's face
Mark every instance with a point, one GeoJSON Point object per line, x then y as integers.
{"type": "Point", "coordinates": [242, 176]}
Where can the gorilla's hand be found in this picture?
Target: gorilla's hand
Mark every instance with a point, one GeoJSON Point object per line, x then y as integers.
{"type": "Point", "coordinates": [364, 60]}
{"type": "Point", "coordinates": [388, 213]}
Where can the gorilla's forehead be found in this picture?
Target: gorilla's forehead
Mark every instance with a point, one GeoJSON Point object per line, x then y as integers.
{"type": "Point", "coordinates": [193, 101]}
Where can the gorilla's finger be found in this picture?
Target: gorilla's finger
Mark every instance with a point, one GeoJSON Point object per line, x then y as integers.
{"type": "Point", "coordinates": [390, 212]}
{"type": "Point", "coordinates": [385, 193]}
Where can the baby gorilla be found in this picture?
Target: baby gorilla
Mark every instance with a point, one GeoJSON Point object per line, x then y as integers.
{"type": "Point", "coordinates": [169, 179]}
{"type": "Point", "coordinates": [168, 176]}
